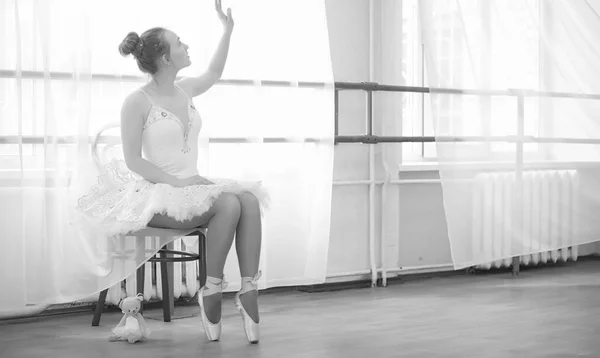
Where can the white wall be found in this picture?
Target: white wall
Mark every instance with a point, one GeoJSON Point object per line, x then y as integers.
{"type": "Point", "coordinates": [417, 229]}
{"type": "Point", "coordinates": [348, 23]}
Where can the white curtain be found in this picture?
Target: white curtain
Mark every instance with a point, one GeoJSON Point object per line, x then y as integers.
{"type": "Point", "coordinates": [517, 140]}
{"type": "Point", "coordinates": [62, 79]}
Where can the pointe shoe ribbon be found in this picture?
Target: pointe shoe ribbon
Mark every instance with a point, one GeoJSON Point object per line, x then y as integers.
{"type": "Point", "coordinates": [212, 330]}
{"type": "Point", "coordinates": [250, 327]}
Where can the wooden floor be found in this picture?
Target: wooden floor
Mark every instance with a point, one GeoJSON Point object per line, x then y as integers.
{"type": "Point", "coordinates": [547, 312]}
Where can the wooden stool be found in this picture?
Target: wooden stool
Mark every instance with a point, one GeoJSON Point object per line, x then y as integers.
{"type": "Point", "coordinates": [163, 259]}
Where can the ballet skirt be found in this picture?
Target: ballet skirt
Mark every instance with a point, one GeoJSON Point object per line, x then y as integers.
{"type": "Point", "coordinates": [123, 202]}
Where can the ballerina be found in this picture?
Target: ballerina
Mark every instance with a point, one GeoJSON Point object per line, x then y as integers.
{"type": "Point", "coordinates": [158, 183]}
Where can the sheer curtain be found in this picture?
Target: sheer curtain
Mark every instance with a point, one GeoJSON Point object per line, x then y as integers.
{"type": "Point", "coordinates": [516, 95]}
{"type": "Point", "coordinates": [62, 80]}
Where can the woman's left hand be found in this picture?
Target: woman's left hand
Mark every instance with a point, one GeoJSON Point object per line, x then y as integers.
{"type": "Point", "coordinates": [226, 20]}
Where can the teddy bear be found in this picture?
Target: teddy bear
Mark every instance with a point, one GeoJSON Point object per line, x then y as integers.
{"type": "Point", "coordinates": [132, 327]}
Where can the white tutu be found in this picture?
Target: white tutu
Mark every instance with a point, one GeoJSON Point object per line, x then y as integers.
{"type": "Point", "coordinates": [123, 202]}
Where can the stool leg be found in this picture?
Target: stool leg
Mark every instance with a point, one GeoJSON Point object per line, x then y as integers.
{"type": "Point", "coordinates": [515, 265]}
{"type": "Point", "coordinates": [99, 308]}
{"type": "Point", "coordinates": [140, 275]}
{"type": "Point", "coordinates": [166, 291]}
{"type": "Point", "coordinates": [202, 258]}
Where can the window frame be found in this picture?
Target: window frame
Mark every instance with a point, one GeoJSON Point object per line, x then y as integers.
{"type": "Point", "coordinates": [425, 122]}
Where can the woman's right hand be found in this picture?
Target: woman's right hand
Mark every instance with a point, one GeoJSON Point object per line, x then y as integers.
{"type": "Point", "coordinates": [193, 180]}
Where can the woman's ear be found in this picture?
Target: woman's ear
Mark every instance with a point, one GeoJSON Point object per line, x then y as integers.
{"type": "Point", "coordinates": [165, 59]}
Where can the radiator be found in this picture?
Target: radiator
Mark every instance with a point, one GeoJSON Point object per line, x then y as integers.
{"type": "Point", "coordinates": [548, 217]}
{"type": "Point", "coordinates": [186, 282]}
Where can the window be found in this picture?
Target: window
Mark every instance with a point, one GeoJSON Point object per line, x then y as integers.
{"type": "Point", "coordinates": [493, 45]}
{"type": "Point", "coordinates": [61, 75]}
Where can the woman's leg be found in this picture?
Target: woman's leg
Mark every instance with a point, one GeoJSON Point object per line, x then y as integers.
{"type": "Point", "coordinates": [248, 244]}
{"type": "Point", "coordinates": [222, 219]}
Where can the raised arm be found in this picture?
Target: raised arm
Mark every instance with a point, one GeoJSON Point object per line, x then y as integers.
{"type": "Point", "coordinates": [195, 86]}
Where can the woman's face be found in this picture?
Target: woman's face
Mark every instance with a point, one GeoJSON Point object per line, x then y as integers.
{"type": "Point", "coordinates": [178, 51]}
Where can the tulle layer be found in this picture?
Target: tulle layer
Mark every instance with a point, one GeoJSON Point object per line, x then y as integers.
{"type": "Point", "coordinates": [123, 202]}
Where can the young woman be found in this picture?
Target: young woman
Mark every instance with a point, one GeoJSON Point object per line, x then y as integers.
{"type": "Point", "coordinates": [162, 188]}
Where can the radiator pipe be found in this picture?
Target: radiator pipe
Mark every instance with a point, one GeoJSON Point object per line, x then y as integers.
{"type": "Point", "coordinates": [386, 173]}
{"type": "Point", "coordinates": [383, 216]}
{"type": "Point", "coordinates": [369, 125]}
{"type": "Point", "coordinates": [519, 178]}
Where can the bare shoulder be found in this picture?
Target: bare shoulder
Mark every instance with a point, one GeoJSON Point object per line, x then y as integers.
{"type": "Point", "coordinates": [136, 99]}
{"type": "Point", "coordinates": [135, 104]}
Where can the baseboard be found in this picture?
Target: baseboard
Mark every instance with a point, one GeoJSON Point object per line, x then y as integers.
{"type": "Point", "coordinates": [398, 278]}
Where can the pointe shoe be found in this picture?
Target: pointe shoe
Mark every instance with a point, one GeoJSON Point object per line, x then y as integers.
{"type": "Point", "coordinates": [212, 330]}
{"type": "Point", "coordinates": [250, 327]}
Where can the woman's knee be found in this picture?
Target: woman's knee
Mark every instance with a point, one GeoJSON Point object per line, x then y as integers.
{"type": "Point", "coordinates": [228, 204]}
{"type": "Point", "coordinates": [248, 201]}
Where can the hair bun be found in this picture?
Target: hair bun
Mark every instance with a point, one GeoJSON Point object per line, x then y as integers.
{"type": "Point", "coordinates": [130, 45]}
